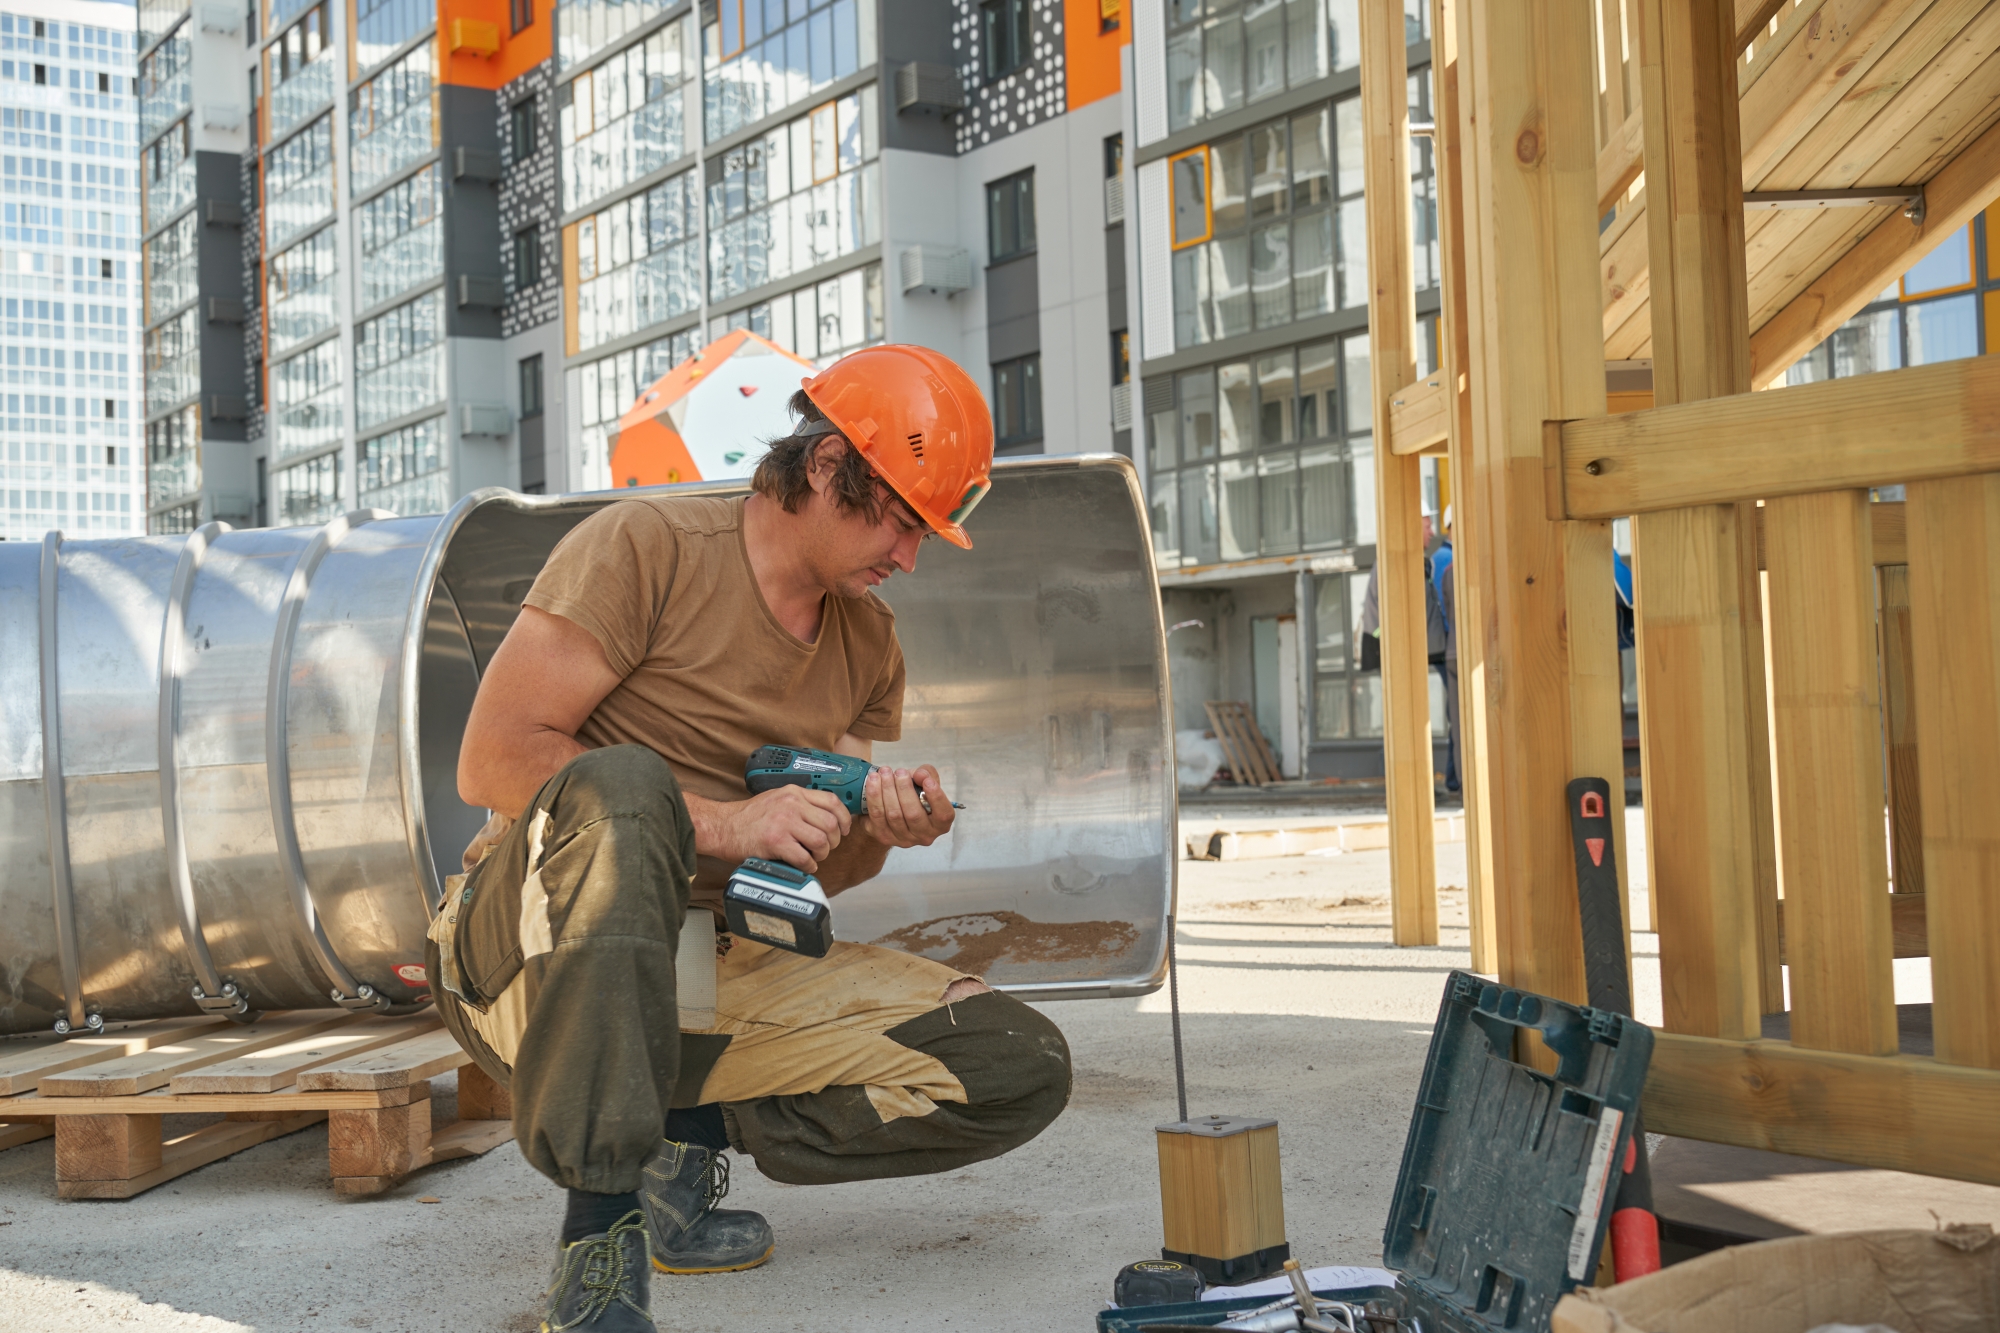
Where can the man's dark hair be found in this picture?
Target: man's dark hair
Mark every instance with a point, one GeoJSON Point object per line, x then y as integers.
{"type": "Point", "coordinates": [781, 472]}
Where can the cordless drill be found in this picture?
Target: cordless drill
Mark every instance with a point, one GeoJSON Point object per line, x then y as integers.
{"type": "Point", "coordinates": [777, 904]}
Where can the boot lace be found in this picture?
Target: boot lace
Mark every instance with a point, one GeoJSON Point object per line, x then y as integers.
{"type": "Point", "coordinates": [606, 1274]}
{"type": "Point", "coordinates": [714, 1182]}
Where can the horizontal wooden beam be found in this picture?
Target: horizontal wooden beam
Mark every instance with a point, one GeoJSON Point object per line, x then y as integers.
{"type": "Point", "coordinates": [1893, 1112]}
{"type": "Point", "coordinates": [1753, 17]}
{"type": "Point", "coordinates": [1420, 418]}
{"type": "Point", "coordinates": [1869, 430]}
{"type": "Point", "coordinates": [1952, 197]}
{"type": "Point", "coordinates": [1891, 541]}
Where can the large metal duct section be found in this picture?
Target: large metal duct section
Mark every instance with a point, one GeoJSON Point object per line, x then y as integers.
{"type": "Point", "coordinates": [227, 760]}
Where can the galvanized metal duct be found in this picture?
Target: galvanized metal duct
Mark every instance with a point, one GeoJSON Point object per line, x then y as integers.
{"type": "Point", "coordinates": [228, 761]}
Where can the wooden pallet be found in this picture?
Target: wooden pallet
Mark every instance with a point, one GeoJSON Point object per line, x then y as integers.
{"type": "Point", "coordinates": [1249, 755]}
{"type": "Point", "coordinates": [103, 1097]}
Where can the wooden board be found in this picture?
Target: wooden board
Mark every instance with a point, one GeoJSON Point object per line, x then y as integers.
{"type": "Point", "coordinates": [1955, 670]}
{"type": "Point", "coordinates": [1827, 718]}
{"type": "Point", "coordinates": [277, 1066]}
{"type": "Point", "coordinates": [1899, 719]}
{"type": "Point", "coordinates": [1897, 1112]}
{"type": "Point", "coordinates": [1888, 533]}
{"type": "Point", "coordinates": [161, 1101]}
{"type": "Point", "coordinates": [467, 1138]}
{"type": "Point", "coordinates": [13, 1136]}
{"type": "Point", "coordinates": [1891, 427]}
{"type": "Point", "coordinates": [99, 1148]}
{"type": "Point", "coordinates": [397, 1066]}
{"type": "Point", "coordinates": [1249, 755]}
{"type": "Point", "coordinates": [158, 1065]}
{"type": "Point", "coordinates": [24, 1064]}
{"type": "Point", "coordinates": [1418, 417]}
{"type": "Point", "coordinates": [1908, 926]}
{"type": "Point", "coordinates": [1408, 764]}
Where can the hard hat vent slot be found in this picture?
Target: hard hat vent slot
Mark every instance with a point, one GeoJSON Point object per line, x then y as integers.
{"type": "Point", "coordinates": [917, 446]}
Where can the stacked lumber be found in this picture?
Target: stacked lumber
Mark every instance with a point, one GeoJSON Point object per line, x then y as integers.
{"type": "Point", "coordinates": [103, 1097]}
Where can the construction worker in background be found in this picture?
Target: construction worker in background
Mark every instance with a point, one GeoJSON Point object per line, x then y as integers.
{"type": "Point", "coordinates": [666, 639]}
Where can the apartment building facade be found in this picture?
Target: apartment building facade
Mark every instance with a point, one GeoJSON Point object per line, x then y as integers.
{"type": "Point", "coordinates": [1250, 319]}
{"type": "Point", "coordinates": [439, 244]}
{"type": "Point", "coordinates": [70, 400]}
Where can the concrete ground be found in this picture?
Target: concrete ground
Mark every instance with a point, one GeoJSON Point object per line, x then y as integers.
{"type": "Point", "coordinates": [1294, 1005]}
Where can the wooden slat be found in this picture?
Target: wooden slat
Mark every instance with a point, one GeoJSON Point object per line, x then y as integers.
{"type": "Point", "coordinates": [13, 1136]}
{"type": "Point", "coordinates": [180, 1155]}
{"type": "Point", "coordinates": [1887, 523]}
{"type": "Point", "coordinates": [396, 1066]}
{"type": "Point", "coordinates": [1908, 926]}
{"type": "Point", "coordinates": [1893, 426]}
{"type": "Point", "coordinates": [1828, 722]}
{"type": "Point", "coordinates": [156, 1067]}
{"type": "Point", "coordinates": [1536, 351]}
{"type": "Point", "coordinates": [277, 1066]}
{"type": "Point", "coordinates": [25, 1064]}
{"type": "Point", "coordinates": [162, 1102]}
{"type": "Point", "coordinates": [1896, 1113]}
{"type": "Point", "coordinates": [1955, 640]}
{"type": "Point", "coordinates": [1812, 72]}
{"type": "Point", "coordinates": [1951, 199]}
{"type": "Point", "coordinates": [1469, 562]}
{"type": "Point", "coordinates": [1753, 17]}
{"type": "Point", "coordinates": [1408, 766]}
{"type": "Point", "coordinates": [1701, 719]}
{"type": "Point", "coordinates": [1619, 162]}
{"type": "Point", "coordinates": [1418, 416]}
{"type": "Point", "coordinates": [1899, 717]}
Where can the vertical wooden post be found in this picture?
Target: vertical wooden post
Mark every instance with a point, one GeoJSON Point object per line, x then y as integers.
{"type": "Point", "coordinates": [1906, 806]}
{"type": "Point", "coordinates": [1399, 539]}
{"type": "Point", "coordinates": [1695, 688]}
{"type": "Point", "coordinates": [1828, 720]}
{"type": "Point", "coordinates": [1468, 536]}
{"type": "Point", "coordinates": [1536, 345]}
{"type": "Point", "coordinates": [1955, 633]}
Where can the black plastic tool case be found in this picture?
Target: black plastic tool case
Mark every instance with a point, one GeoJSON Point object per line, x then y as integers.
{"type": "Point", "coordinates": [1509, 1174]}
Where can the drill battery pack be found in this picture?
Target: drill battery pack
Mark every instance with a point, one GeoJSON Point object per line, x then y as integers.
{"type": "Point", "coordinates": [774, 904]}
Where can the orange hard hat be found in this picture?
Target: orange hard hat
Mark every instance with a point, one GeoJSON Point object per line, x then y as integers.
{"type": "Point", "coordinates": [921, 423]}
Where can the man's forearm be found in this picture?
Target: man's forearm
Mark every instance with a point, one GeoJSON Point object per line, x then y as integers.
{"type": "Point", "coordinates": [507, 780]}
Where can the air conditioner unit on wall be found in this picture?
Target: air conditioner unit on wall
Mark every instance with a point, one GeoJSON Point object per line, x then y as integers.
{"type": "Point", "coordinates": [935, 269]}
{"type": "Point", "coordinates": [921, 86]}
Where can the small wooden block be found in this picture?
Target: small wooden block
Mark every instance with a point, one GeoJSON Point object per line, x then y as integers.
{"type": "Point", "coordinates": [470, 1138]}
{"type": "Point", "coordinates": [392, 1141]}
{"type": "Point", "coordinates": [106, 1147]}
{"type": "Point", "coordinates": [1220, 1192]}
{"type": "Point", "coordinates": [182, 1155]}
{"type": "Point", "coordinates": [13, 1136]}
{"type": "Point", "coordinates": [480, 1096]}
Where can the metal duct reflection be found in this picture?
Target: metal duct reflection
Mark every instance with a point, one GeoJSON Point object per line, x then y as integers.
{"type": "Point", "coordinates": [307, 688]}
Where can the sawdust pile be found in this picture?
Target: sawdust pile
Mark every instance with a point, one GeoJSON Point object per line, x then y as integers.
{"type": "Point", "coordinates": [972, 942]}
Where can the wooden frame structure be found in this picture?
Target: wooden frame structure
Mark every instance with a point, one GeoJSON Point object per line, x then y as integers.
{"type": "Point", "coordinates": [1599, 170]}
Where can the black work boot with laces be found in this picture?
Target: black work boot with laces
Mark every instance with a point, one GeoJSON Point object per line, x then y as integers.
{"type": "Point", "coordinates": [601, 1283]}
{"type": "Point", "coordinates": [680, 1186]}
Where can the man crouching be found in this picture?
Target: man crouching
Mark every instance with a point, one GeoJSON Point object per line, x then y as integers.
{"type": "Point", "coordinates": [666, 639]}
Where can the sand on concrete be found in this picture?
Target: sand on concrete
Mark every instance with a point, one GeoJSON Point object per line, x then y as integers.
{"type": "Point", "coordinates": [1294, 1005]}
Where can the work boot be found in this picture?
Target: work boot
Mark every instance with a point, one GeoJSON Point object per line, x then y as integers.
{"type": "Point", "coordinates": [680, 1187]}
{"type": "Point", "coordinates": [601, 1283]}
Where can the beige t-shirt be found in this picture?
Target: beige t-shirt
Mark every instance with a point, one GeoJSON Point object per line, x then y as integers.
{"type": "Point", "coordinates": [665, 585]}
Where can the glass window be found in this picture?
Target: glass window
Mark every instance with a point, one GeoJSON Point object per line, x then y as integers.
{"type": "Point", "coordinates": [1164, 505]}
{"type": "Point", "coordinates": [625, 118]}
{"type": "Point", "coordinates": [173, 456]}
{"type": "Point", "coordinates": [1236, 397]}
{"type": "Point", "coordinates": [762, 58]}
{"type": "Point", "coordinates": [1224, 54]}
{"type": "Point", "coordinates": [173, 361]}
{"type": "Point", "coordinates": [638, 263]}
{"type": "Point", "coordinates": [166, 168]}
{"type": "Point", "coordinates": [1944, 269]}
{"type": "Point", "coordinates": [1868, 342]}
{"type": "Point", "coordinates": [521, 15]}
{"type": "Point", "coordinates": [404, 471]}
{"type": "Point", "coordinates": [530, 378]}
{"type": "Point", "coordinates": [305, 408]}
{"type": "Point", "coordinates": [1010, 217]}
{"type": "Point", "coordinates": [299, 71]}
{"type": "Point", "coordinates": [523, 129]}
{"type": "Point", "coordinates": [772, 212]}
{"type": "Point", "coordinates": [298, 183]}
{"type": "Point", "coordinates": [399, 361]}
{"type": "Point", "coordinates": [1942, 330]}
{"type": "Point", "coordinates": [381, 27]}
{"type": "Point", "coordinates": [300, 290]}
{"type": "Point", "coordinates": [1017, 400]}
{"type": "Point", "coordinates": [1237, 515]}
{"type": "Point", "coordinates": [391, 120]}
{"type": "Point", "coordinates": [585, 26]}
{"type": "Point", "coordinates": [165, 89]}
{"type": "Point", "coordinates": [1003, 36]}
{"type": "Point", "coordinates": [308, 492]}
{"type": "Point", "coordinates": [527, 257]}
{"type": "Point", "coordinates": [401, 237]}
{"type": "Point", "coordinates": [171, 276]}
{"type": "Point", "coordinates": [157, 17]}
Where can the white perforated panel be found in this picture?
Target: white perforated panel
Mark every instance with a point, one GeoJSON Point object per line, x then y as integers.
{"type": "Point", "coordinates": [1156, 261]}
{"type": "Point", "coordinates": [1149, 68]}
